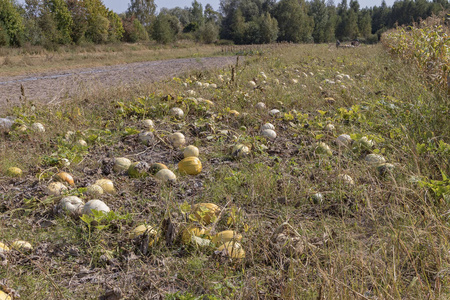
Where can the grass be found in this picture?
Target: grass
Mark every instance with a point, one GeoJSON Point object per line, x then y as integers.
{"type": "Point", "coordinates": [384, 237]}
{"type": "Point", "coordinates": [26, 60]}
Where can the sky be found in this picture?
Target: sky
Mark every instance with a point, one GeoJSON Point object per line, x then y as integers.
{"type": "Point", "coordinates": [120, 6]}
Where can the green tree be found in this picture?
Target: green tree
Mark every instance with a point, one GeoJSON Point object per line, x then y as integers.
{"type": "Point", "coordinates": [79, 16]}
{"type": "Point", "coordinates": [144, 11]}
{"type": "Point", "coordinates": [115, 30]}
{"type": "Point", "coordinates": [63, 19]}
{"type": "Point", "coordinates": [134, 31]}
{"type": "Point", "coordinates": [208, 32]}
{"type": "Point", "coordinates": [12, 23]}
{"type": "Point", "coordinates": [238, 27]}
{"type": "Point", "coordinates": [318, 10]}
{"type": "Point", "coordinates": [293, 21]}
{"type": "Point", "coordinates": [365, 24]}
{"type": "Point", "coordinates": [268, 28]}
{"type": "Point", "coordinates": [165, 28]}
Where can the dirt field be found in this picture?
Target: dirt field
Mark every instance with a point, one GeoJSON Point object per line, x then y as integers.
{"type": "Point", "coordinates": [54, 86]}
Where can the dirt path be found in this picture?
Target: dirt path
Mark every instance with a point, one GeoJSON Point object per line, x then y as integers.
{"type": "Point", "coordinates": [52, 86]}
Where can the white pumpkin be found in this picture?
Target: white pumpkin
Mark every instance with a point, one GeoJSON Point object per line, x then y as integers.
{"type": "Point", "coordinates": [177, 139]}
{"type": "Point", "coordinates": [81, 143]}
{"type": "Point", "coordinates": [269, 133]}
{"type": "Point", "coordinates": [274, 112]}
{"type": "Point", "coordinates": [107, 185]}
{"type": "Point", "coordinates": [121, 164]}
{"type": "Point", "coordinates": [148, 124]}
{"type": "Point", "coordinates": [38, 127]}
{"type": "Point", "coordinates": [260, 106]}
{"type": "Point", "coordinates": [329, 127]}
{"type": "Point", "coordinates": [176, 112]}
{"type": "Point", "coordinates": [165, 175]}
{"type": "Point", "coordinates": [94, 205]}
{"type": "Point", "coordinates": [267, 126]}
{"type": "Point", "coordinates": [375, 159]}
{"type": "Point", "coordinates": [71, 204]}
{"type": "Point", "coordinates": [344, 140]}
{"type": "Point", "coordinates": [190, 150]}
{"type": "Point", "coordinates": [56, 188]}
{"type": "Point", "coordinates": [347, 179]}
{"type": "Point", "coordinates": [94, 190]}
{"type": "Point", "coordinates": [240, 150]}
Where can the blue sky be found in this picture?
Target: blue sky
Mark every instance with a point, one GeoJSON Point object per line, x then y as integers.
{"type": "Point", "coordinates": [121, 5]}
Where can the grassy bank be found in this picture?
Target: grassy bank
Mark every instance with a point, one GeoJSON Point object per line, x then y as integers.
{"type": "Point", "coordinates": [308, 231]}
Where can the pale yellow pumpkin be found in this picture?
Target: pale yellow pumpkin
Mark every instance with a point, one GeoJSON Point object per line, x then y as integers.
{"type": "Point", "coordinates": [190, 165]}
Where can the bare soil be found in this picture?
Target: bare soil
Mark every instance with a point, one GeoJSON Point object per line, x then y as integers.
{"type": "Point", "coordinates": [54, 86]}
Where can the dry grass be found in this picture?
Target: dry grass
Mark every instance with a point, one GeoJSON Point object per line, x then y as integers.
{"type": "Point", "coordinates": [385, 237]}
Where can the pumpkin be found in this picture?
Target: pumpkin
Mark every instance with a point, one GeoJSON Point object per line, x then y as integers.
{"type": "Point", "coordinates": [269, 134]}
{"type": "Point", "coordinates": [385, 168]}
{"type": "Point", "coordinates": [21, 246]}
{"type": "Point", "coordinates": [267, 126]}
{"type": "Point", "coordinates": [72, 205]}
{"type": "Point", "coordinates": [94, 205]}
{"type": "Point", "coordinates": [190, 165]}
{"type": "Point", "coordinates": [274, 112]}
{"type": "Point", "coordinates": [146, 137]}
{"type": "Point", "coordinates": [344, 140]}
{"type": "Point", "coordinates": [3, 295]}
{"type": "Point", "coordinates": [106, 185]}
{"type": "Point", "coordinates": [232, 250]}
{"type": "Point", "coordinates": [145, 229]}
{"type": "Point", "coordinates": [165, 175]}
{"type": "Point", "coordinates": [148, 124]}
{"type": "Point", "coordinates": [260, 106]}
{"type": "Point", "coordinates": [177, 139]}
{"type": "Point", "coordinates": [81, 143]}
{"type": "Point", "coordinates": [240, 150]}
{"type": "Point", "coordinates": [64, 162]}
{"type": "Point", "coordinates": [346, 179]}
{"type": "Point", "coordinates": [323, 149]}
{"type": "Point", "coordinates": [56, 188]}
{"type": "Point", "coordinates": [375, 159]}
{"type": "Point", "coordinates": [226, 236]}
{"type": "Point", "coordinates": [3, 248]}
{"type": "Point", "coordinates": [191, 231]}
{"type": "Point", "coordinates": [94, 190]}
{"type": "Point", "coordinates": [176, 112]}
{"type": "Point", "coordinates": [234, 112]}
{"type": "Point", "coordinates": [330, 127]}
{"type": "Point", "coordinates": [38, 127]}
{"type": "Point", "coordinates": [65, 177]}
{"type": "Point", "coordinates": [205, 213]}
{"type": "Point", "coordinates": [121, 164]}
{"type": "Point", "coordinates": [14, 172]}
{"type": "Point", "coordinates": [206, 101]}
{"type": "Point", "coordinates": [138, 169]}
{"type": "Point", "coordinates": [364, 143]}
{"type": "Point", "coordinates": [190, 151]}
{"type": "Point", "coordinates": [154, 168]}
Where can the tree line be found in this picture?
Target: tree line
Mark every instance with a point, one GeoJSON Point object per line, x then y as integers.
{"type": "Point", "coordinates": [50, 23]}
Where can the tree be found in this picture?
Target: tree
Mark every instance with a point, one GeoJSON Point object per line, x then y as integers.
{"type": "Point", "coordinates": [165, 28]}
{"type": "Point", "coordinates": [133, 30]}
{"type": "Point", "coordinates": [143, 10]}
{"type": "Point", "coordinates": [79, 16]}
{"type": "Point", "coordinates": [319, 12]}
{"type": "Point", "coordinates": [268, 28]}
{"type": "Point", "coordinates": [11, 22]}
{"type": "Point", "coordinates": [208, 32]}
{"type": "Point", "coordinates": [294, 23]}
{"type": "Point", "coordinates": [63, 19]}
